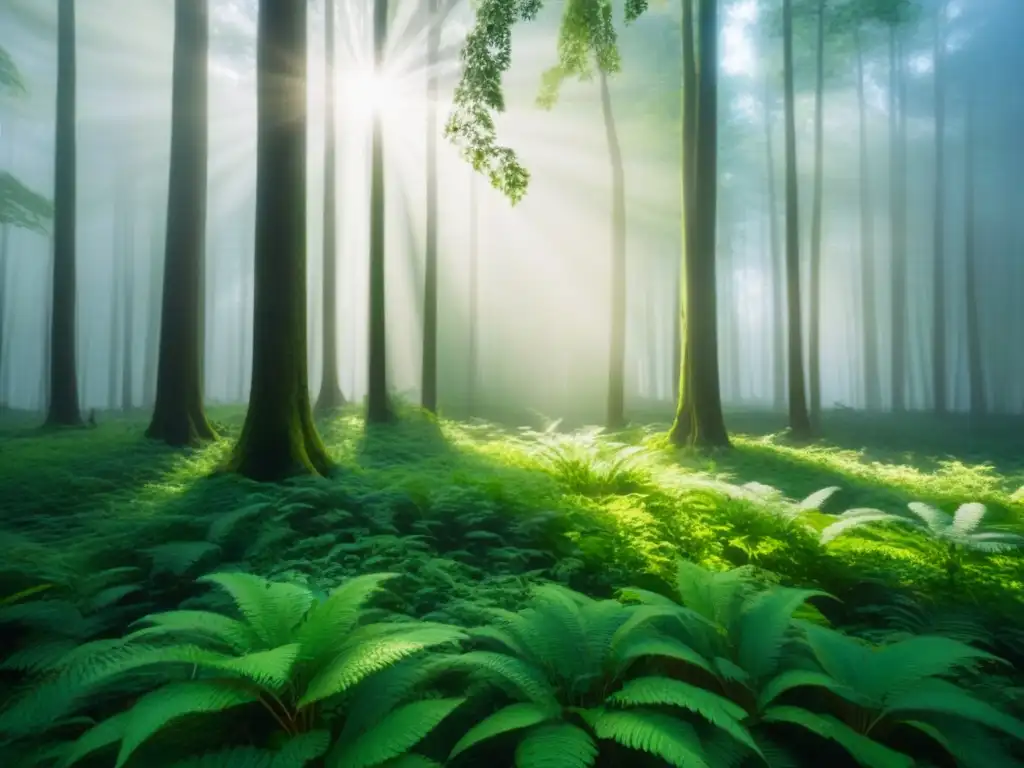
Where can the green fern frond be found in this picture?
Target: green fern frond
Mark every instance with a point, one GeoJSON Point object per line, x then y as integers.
{"type": "Point", "coordinates": [558, 745]}
{"type": "Point", "coordinates": [394, 735]}
{"type": "Point", "coordinates": [654, 646]}
{"type": "Point", "coordinates": [198, 625]}
{"type": "Point", "coordinates": [514, 717]}
{"type": "Point", "coordinates": [852, 519]}
{"type": "Point", "coordinates": [360, 659]}
{"type": "Point", "coordinates": [411, 760]}
{"type": "Point", "coordinates": [104, 734]}
{"type": "Point", "coordinates": [177, 557]}
{"type": "Point", "coordinates": [512, 674]}
{"type": "Point", "coordinates": [865, 751]}
{"type": "Point", "coordinates": [764, 626]}
{"type": "Point", "coordinates": [945, 698]}
{"type": "Point", "coordinates": [272, 609]}
{"type": "Point", "coordinates": [967, 518]}
{"type": "Point", "coordinates": [899, 667]}
{"type": "Point", "coordinates": [656, 733]}
{"type": "Point", "coordinates": [800, 678]}
{"type": "Point", "coordinates": [818, 499]}
{"type": "Point", "coordinates": [717, 710]}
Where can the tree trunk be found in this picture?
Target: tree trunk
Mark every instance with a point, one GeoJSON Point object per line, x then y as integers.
{"type": "Point", "coordinates": [152, 346]}
{"type": "Point", "coordinates": [178, 415]}
{"type": "Point", "coordinates": [62, 408]}
{"type": "Point", "coordinates": [814, 342]}
{"type": "Point", "coordinates": [777, 263]}
{"type": "Point", "coordinates": [898, 227]}
{"type": "Point", "coordinates": [116, 265]}
{"type": "Point", "coordinates": [331, 396]}
{"type": "Point", "coordinates": [975, 367]}
{"type": "Point", "coordinates": [616, 415]}
{"type": "Point", "coordinates": [872, 383]}
{"type": "Point", "coordinates": [472, 355]}
{"type": "Point", "coordinates": [699, 420]}
{"type": "Point", "coordinates": [428, 384]}
{"type": "Point", "coordinates": [939, 383]}
{"type": "Point", "coordinates": [799, 420]}
{"type": "Point", "coordinates": [4, 244]}
{"type": "Point", "coordinates": [279, 438]}
{"type": "Point", "coordinates": [128, 291]}
{"type": "Point", "coordinates": [378, 406]}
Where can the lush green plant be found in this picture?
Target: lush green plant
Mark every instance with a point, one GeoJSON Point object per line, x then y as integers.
{"type": "Point", "coordinates": [588, 463]}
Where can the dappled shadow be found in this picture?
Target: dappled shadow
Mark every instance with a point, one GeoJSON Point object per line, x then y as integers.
{"type": "Point", "coordinates": [412, 436]}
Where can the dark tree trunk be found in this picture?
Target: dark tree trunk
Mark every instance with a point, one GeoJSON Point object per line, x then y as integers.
{"type": "Point", "coordinates": [777, 263]}
{"type": "Point", "coordinates": [428, 385]}
{"type": "Point", "coordinates": [279, 438]}
{"type": "Point", "coordinates": [940, 395]}
{"type": "Point", "coordinates": [616, 415]}
{"type": "Point", "coordinates": [699, 420]}
{"type": "Point", "coordinates": [975, 366]}
{"type": "Point", "coordinates": [472, 355]}
{"type": "Point", "coordinates": [62, 408]}
{"type": "Point", "coordinates": [4, 244]}
{"type": "Point", "coordinates": [814, 340]}
{"type": "Point", "coordinates": [378, 406]}
{"type": "Point", "coordinates": [872, 383]}
{"type": "Point", "coordinates": [152, 349]}
{"type": "Point", "coordinates": [898, 213]}
{"type": "Point", "coordinates": [178, 415]}
{"type": "Point", "coordinates": [128, 292]}
{"type": "Point", "coordinates": [114, 339]}
{"type": "Point", "coordinates": [330, 396]}
{"type": "Point", "coordinates": [799, 420]}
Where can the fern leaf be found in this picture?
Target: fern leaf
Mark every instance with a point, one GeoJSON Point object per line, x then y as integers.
{"type": "Point", "coordinates": [855, 518]}
{"type": "Point", "coordinates": [514, 717]}
{"type": "Point", "coordinates": [161, 707]}
{"type": "Point", "coordinates": [558, 745]}
{"type": "Point", "coordinates": [662, 647]}
{"type": "Point", "coordinates": [301, 749]}
{"type": "Point", "coordinates": [411, 760]}
{"type": "Point", "coordinates": [104, 734]}
{"type": "Point", "coordinates": [232, 757]}
{"type": "Point", "coordinates": [865, 751]}
{"type": "Point", "coordinates": [336, 616]}
{"type": "Point", "coordinates": [944, 698]}
{"type": "Point", "coordinates": [394, 735]}
{"type": "Point", "coordinates": [817, 499]}
{"type": "Point", "coordinates": [176, 557]}
{"type": "Point", "coordinates": [934, 519]}
{"type": "Point", "coordinates": [656, 733]}
{"type": "Point", "coordinates": [225, 522]}
{"type": "Point", "coordinates": [764, 626]}
{"type": "Point", "coordinates": [198, 625]}
{"type": "Point", "coordinates": [967, 518]}
{"type": "Point", "coordinates": [800, 678]}
{"type": "Point", "coordinates": [716, 709]}
{"type": "Point", "coordinates": [523, 679]}
{"type": "Point", "coordinates": [272, 609]}
{"type": "Point", "coordinates": [359, 660]}
{"type": "Point", "coordinates": [901, 666]}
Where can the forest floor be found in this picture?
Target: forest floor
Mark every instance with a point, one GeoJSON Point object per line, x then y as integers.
{"type": "Point", "coordinates": [466, 510]}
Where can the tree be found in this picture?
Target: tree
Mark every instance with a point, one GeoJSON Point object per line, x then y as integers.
{"type": "Point", "coordinates": [178, 415]}
{"type": "Point", "coordinates": [699, 420]}
{"type": "Point", "coordinates": [378, 406]}
{"type": "Point", "coordinates": [898, 227]}
{"type": "Point", "coordinates": [587, 37]}
{"type": "Point", "coordinates": [279, 438]}
{"type": "Point", "coordinates": [331, 396]}
{"type": "Point", "coordinates": [777, 259]}
{"type": "Point", "coordinates": [63, 407]}
{"type": "Point", "coordinates": [939, 383]}
{"type": "Point", "coordinates": [473, 352]}
{"type": "Point", "coordinates": [975, 367]}
{"type": "Point", "coordinates": [814, 342]}
{"type": "Point", "coordinates": [799, 419]}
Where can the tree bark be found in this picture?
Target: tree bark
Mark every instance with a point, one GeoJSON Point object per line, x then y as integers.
{"type": "Point", "coordinates": [872, 383]}
{"type": "Point", "coordinates": [330, 396]}
{"type": "Point", "coordinates": [975, 366]}
{"type": "Point", "coordinates": [940, 394]}
{"type": "Point", "coordinates": [616, 414]}
{"type": "Point", "coordinates": [128, 292]}
{"type": "Point", "coordinates": [62, 408]}
{"type": "Point", "coordinates": [178, 415]}
{"type": "Point", "coordinates": [814, 341]}
{"type": "Point", "coordinates": [378, 406]}
{"type": "Point", "coordinates": [799, 420]}
{"type": "Point", "coordinates": [114, 336]}
{"type": "Point", "coordinates": [428, 384]}
{"type": "Point", "coordinates": [699, 420]}
{"type": "Point", "coordinates": [279, 438]}
{"type": "Point", "coordinates": [898, 214]}
{"type": "Point", "coordinates": [472, 355]}
{"type": "Point", "coordinates": [777, 263]}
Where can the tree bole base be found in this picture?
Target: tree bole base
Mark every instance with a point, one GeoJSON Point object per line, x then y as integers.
{"type": "Point", "coordinates": [180, 429]}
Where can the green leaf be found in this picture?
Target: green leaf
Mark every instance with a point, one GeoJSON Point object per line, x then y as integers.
{"type": "Point", "coordinates": [799, 678]}
{"type": "Point", "coordinates": [656, 733]}
{"type": "Point", "coordinates": [526, 680]}
{"type": "Point", "coordinates": [560, 745]}
{"type": "Point", "coordinates": [336, 616]}
{"type": "Point", "coordinates": [865, 751]}
{"type": "Point", "coordinates": [272, 609]}
{"type": "Point", "coordinates": [103, 734]}
{"type": "Point", "coordinates": [394, 735]}
{"type": "Point", "coordinates": [511, 718]}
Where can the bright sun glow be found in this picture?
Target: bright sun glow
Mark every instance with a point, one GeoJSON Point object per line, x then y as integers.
{"type": "Point", "coordinates": [363, 92]}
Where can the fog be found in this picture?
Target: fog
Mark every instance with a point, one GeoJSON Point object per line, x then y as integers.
{"type": "Point", "coordinates": [544, 292]}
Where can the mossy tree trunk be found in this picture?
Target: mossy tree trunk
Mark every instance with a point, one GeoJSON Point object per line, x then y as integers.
{"type": "Point", "coordinates": [178, 415]}
{"type": "Point", "coordinates": [799, 419]}
{"type": "Point", "coordinates": [699, 420]}
{"type": "Point", "coordinates": [616, 415]}
{"type": "Point", "coordinates": [279, 438]}
{"type": "Point", "coordinates": [62, 409]}
{"type": "Point", "coordinates": [331, 396]}
{"type": "Point", "coordinates": [428, 382]}
{"type": "Point", "coordinates": [378, 406]}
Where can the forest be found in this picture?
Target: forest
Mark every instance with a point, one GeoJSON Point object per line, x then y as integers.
{"type": "Point", "coordinates": [520, 383]}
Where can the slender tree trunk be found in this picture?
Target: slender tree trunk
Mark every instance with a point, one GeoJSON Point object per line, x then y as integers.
{"type": "Point", "coordinates": [872, 383]}
{"type": "Point", "coordinates": [975, 366]}
{"type": "Point", "coordinates": [799, 420]}
{"type": "Point", "coordinates": [128, 292]}
{"type": "Point", "coordinates": [178, 415]}
{"type": "Point", "coordinates": [4, 389]}
{"type": "Point", "coordinates": [116, 266]}
{"type": "Point", "coordinates": [378, 407]}
{"type": "Point", "coordinates": [777, 262]}
{"type": "Point", "coordinates": [428, 385]}
{"type": "Point", "coordinates": [814, 342]}
{"type": "Point", "coordinates": [331, 396]}
{"type": "Point", "coordinates": [939, 367]}
{"type": "Point", "coordinates": [699, 420]}
{"type": "Point", "coordinates": [616, 415]}
{"type": "Point", "coordinates": [153, 322]}
{"type": "Point", "coordinates": [62, 408]}
{"type": "Point", "coordinates": [898, 213]}
{"type": "Point", "coordinates": [279, 438]}
{"type": "Point", "coordinates": [472, 358]}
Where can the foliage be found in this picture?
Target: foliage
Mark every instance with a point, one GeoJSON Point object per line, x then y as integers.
{"type": "Point", "coordinates": [10, 77]}
{"type": "Point", "coordinates": [21, 207]}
